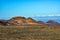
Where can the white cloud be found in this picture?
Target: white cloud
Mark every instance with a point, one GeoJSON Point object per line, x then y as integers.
{"type": "Point", "coordinates": [48, 15]}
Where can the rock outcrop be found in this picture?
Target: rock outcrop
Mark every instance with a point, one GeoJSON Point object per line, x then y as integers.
{"type": "Point", "coordinates": [30, 21]}
{"type": "Point", "coordinates": [17, 20]}
{"type": "Point", "coordinates": [21, 20]}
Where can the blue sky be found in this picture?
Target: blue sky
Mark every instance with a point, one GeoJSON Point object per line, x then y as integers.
{"type": "Point", "coordinates": [10, 8]}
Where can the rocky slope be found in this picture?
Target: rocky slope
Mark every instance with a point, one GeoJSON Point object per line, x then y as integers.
{"type": "Point", "coordinates": [21, 20]}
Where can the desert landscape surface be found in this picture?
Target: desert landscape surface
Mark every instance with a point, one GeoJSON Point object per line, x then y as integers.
{"type": "Point", "coordinates": [29, 19]}
{"type": "Point", "coordinates": [21, 28]}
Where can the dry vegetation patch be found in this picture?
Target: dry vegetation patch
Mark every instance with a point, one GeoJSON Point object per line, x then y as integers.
{"type": "Point", "coordinates": [30, 32]}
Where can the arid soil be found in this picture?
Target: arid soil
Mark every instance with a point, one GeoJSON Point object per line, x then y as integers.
{"type": "Point", "coordinates": [30, 32]}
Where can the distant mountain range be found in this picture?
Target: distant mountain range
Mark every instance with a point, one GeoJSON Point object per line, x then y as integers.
{"type": "Point", "coordinates": [20, 20]}
{"type": "Point", "coordinates": [46, 18]}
